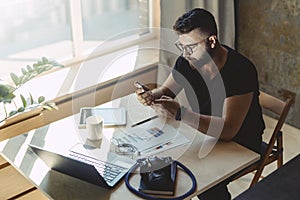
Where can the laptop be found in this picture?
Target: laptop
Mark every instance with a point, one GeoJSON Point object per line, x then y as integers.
{"type": "Point", "coordinates": [85, 167]}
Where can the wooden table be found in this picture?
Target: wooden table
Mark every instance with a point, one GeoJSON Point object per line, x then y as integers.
{"type": "Point", "coordinates": [223, 160]}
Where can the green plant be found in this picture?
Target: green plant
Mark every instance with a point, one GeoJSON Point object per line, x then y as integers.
{"type": "Point", "coordinates": [7, 90]}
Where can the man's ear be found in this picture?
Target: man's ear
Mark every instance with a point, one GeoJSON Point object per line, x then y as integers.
{"type": "Point", "coordinates": [212, 41]}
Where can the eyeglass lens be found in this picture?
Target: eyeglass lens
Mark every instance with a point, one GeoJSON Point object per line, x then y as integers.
{"type": "Point", "coordinates": [187, 49]}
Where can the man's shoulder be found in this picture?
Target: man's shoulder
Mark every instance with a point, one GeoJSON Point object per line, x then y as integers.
{"type": "Point", "coordinates": [239, 67]}
{"type": "Point", "coordinates": [181, 63]}
{"type": "Point", "coordinates": [238, 61]}
{"type": "Point", "coordinates": [237, 56]}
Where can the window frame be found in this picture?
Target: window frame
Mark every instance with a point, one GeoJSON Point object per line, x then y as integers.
{"type": "Point", "coordinates": [78, 40]}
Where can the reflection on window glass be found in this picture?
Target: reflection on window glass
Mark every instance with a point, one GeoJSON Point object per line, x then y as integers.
{"type": "Point", "coordinates": [104, 19]}
{"type": "Point", "coordinates": [31, 29]}
{"type": "Point", "coordinates": [30, 24]}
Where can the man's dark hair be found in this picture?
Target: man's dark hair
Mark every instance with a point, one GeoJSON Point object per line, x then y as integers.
{"type": "Point", "coordinates": [196, 18]}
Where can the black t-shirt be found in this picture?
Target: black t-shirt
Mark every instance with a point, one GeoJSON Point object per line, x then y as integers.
{"type": "Point", "coordinates": [238, 76]}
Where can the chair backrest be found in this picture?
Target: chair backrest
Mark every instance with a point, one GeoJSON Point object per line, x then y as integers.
{"type": "Point", "coordinates": [281, 109]}
{"type": "Point", "coordinates": [272, 152]}
{"type": "Point", "coordinates": [277, 106]}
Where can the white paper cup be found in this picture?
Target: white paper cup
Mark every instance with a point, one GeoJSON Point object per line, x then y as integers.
{"type": "Point", "coordinates": [94, 126]}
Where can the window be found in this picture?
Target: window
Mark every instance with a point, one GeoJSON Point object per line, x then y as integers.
{"type": "Point", "coordinates": [104, 19]}
{"type": "Point", "coordinates": [67, 30]}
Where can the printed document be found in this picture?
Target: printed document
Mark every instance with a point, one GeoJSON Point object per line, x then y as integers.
{"type": "Point", "coordinates": [153, 135]}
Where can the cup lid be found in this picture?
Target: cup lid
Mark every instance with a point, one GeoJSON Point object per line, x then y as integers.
{"type": "Point", "coordinates": [94, 119]}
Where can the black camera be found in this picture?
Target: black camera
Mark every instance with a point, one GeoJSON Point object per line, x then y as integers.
{"type": "Point", "coordinates": [156, 171]}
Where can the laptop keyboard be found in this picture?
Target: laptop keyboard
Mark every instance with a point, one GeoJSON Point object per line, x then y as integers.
{"type": "Point", "coordinates": [107, 170]}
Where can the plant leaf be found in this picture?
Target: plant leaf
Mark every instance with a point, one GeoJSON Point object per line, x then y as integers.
{"type": "Point", "coordinates": [31, 99]}
{"type": "Point", "coordinates": [15, 78]}
{"type": "Point", "coordinates": [21, 80]}
{"type": "Point", "coordinates": [48, 67]}
{"type": "Point", "coordinates": [29, 68]}
{"type": "Point", "coordinates": [8, 98]}
{"type": "Point", "coordinates": [41, 99]}
{"type": "Point", "coordinates": [13, 112]}
{"type": "Point", "coordinates": [23, 71]}
{"type": "Point", "coordinates": [21, 109]}
{"type": "Point", "coordinates": [55, 63]}
{"type": "Point", "coordinates": [45, 60]}
{"type": "Point", "coordinates": [23, 101]}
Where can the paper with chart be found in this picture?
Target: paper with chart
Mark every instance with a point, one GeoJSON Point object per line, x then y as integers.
{"type": "Point", "coordinates": [151, 136]}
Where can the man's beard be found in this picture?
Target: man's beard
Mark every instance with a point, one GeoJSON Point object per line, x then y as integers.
{"type": "Point", "coordinates": [206, 57]}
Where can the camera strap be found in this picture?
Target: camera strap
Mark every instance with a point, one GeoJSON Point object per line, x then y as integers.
{"type": "Point", "coordinates": [146, 196]}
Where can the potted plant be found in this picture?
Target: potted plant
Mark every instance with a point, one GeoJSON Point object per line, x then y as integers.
{"type": "Point", "coordinates": [7, 91]}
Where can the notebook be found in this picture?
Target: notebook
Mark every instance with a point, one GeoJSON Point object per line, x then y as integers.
{"type": "Point", "coordinates": [87, 168]}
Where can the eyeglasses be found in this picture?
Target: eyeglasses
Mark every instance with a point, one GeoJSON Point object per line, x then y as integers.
{"type": "Point", "coordinates": [124, 148]}
{"type": "Point", "coordinates": [188, 49]}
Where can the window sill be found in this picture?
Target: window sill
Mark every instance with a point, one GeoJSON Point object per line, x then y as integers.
{"type": "Point", "coordinates": [70, 86]}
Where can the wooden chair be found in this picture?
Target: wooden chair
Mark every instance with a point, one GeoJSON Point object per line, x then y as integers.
{"type": "Point", "coordinates": [273, 149]}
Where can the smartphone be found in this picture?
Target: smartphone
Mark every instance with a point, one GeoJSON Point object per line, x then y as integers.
{"type": "Point", "coordinates": [141, 86]}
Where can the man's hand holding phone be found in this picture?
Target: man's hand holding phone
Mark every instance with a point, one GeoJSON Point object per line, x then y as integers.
{"type": "Point", "coordinates": [144, 94]}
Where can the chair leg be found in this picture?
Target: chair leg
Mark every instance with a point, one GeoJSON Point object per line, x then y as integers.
{"type": "Point", "coordinates": [280, 161]}
{"type": "Point", "coordinates": [257, 176]}
{"type": "Point", "coordinates": [280, 151]}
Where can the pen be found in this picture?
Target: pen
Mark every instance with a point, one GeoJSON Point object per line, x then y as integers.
{"type": "Point", "coordinates": [146, 120]}
{"type": "Point", "coordinates": [157, 147]}
{"type": "Point", "coordinates": [163, 145]}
